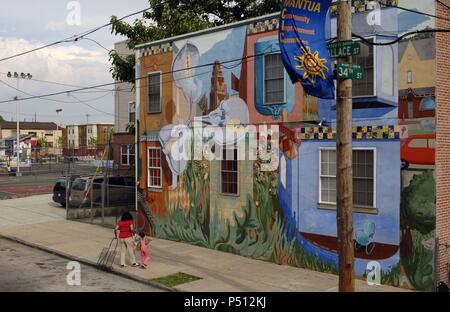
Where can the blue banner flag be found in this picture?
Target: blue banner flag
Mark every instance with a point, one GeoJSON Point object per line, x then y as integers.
{"type": "Point", "coordinates": [303, 46]}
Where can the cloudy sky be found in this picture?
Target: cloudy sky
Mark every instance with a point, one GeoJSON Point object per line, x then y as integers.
{"type": "Point", "coordinates": [27, 24]}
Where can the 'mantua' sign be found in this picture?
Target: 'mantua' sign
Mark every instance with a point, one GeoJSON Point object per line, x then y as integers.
{"type": "Point", "coordinates": [303, 47]}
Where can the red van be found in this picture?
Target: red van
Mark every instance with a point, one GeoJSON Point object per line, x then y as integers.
{"type": "Point", "coordinates": [418, 149]}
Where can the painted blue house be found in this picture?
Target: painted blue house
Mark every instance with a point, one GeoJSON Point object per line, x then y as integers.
{"type": "Point", "coordinates": [307, 183]}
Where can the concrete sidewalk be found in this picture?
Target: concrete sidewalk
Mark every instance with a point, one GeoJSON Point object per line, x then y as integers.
{"type": "Point", "coordinates": [39, 222]}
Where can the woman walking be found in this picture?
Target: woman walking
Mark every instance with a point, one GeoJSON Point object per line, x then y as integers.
{"type": "Point", "coordinates": [125, 228]}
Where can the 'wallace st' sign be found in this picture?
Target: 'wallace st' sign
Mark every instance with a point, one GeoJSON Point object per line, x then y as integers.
{"type": "Point", "coordinates": [344, 49]}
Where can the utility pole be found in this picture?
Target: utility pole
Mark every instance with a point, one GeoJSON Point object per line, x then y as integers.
{"type": "Point", "coordinates": [57, 137]}
{"type": "Point", "coordinates": [344, 175]}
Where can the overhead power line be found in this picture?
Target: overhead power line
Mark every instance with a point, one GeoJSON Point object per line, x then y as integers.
{"type": "Point", "coordinates": [77, 37]}
{"type": "Point", "coordinates": [53, 100]}
{"type": "Point", "coordinates": [224, 62]}
{"type": "Point", "coordinates": [73, 38]}
{"type": "Point", "coordinates": [384, 3]}
{"type": "Point", "coordinates": [443, 4]}
{"type": "Point", "coordinates": [401, 37]}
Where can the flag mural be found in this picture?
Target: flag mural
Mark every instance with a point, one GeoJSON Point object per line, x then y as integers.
{"type": "Point", "coordinates": [303, 46]}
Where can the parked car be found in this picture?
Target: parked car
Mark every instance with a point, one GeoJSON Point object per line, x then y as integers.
{"type": "Point", "coordinates": [418, 149]}
{"type": "Point", "coordinates": [59, 190]}
{"type": "Point", "coordinates": [118, 191]}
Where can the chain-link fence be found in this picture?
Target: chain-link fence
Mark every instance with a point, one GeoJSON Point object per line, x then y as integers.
{"type": "Point", "coordinates": [101, 201]}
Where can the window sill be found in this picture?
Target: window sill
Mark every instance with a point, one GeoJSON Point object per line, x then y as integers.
{"type": "Point", "coordinates": [274, 104]}
{"type": "Point", "coordinates": [155, 190]}
{"type": "Point", "coordinates": [230, 194]}
{"type": "Point", "coordinates": [154, 113]}
{"type": "Point", "coordinates": [356, 209]}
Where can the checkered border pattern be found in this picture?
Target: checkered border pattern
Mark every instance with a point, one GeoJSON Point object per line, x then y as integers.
{"type": "Point", "coordinates": [363, 5]}
{"type": "Point", "coordinates": [157, 49]}
{"type": "Point", "coordinates": [359, 133]}
{"type": "Point", "coordinates": [262, 26]}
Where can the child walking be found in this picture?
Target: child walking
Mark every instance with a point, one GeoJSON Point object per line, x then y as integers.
{"type": "Point", "coordinates": [142, 246]}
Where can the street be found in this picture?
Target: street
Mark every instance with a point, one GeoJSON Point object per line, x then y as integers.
{"type": "Point", "coordinates": [23, 268]}
{"type": "Point", "coordinates": [39, 178]}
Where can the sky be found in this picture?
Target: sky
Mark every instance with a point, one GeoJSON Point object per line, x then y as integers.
{"type": "Point", "coordinates": [27, 24]}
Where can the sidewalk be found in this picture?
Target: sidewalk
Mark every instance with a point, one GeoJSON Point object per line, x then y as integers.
{"type": "Point", "coordinates": [38, 221]}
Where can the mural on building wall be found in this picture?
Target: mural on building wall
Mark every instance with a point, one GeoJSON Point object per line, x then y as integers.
{"type": "Point", "coordinates": [287, 215]}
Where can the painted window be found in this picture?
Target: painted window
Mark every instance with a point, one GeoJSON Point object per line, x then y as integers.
{"type": "Point", "coordinates": [127, 154]}
{"type": "Point", "coordinates": [131, 112]}
{"type": "Point", "coordinates": [427, 104]}
{"type": "Point", "coordinates": [154, 92]}
{"type": "Point", "coordinates": [273, 79]}
{"type": "Point", "coordinates": [363, 177]}
{"type": "Point", "coordinates": [154, 167]}
{"type": "Point", "coordinates": [229, 172]}
{"type": "Point", "coordinates": [365, 87]}
{"type": "Point", "coordinates": [410, 77]}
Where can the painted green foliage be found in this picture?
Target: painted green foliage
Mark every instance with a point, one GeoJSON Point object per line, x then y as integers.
{"type": "Point", "coordinates": [257, 230]}
{"type": "Point", "coordinates": [418, 219]}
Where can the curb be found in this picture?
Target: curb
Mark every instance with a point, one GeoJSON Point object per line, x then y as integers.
{"type": "Point", "coordinates": [89, 263]}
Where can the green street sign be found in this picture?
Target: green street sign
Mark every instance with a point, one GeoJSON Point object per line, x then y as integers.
{"type": "Point", "coordinates": [344, 49]}
{"type": "Point", "coordinates": [349, 71]}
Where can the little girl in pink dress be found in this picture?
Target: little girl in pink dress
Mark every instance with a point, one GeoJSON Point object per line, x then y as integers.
{"type": "Point", "coordinates": [144, 240]}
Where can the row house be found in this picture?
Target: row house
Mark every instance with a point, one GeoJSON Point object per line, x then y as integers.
{"type": "Point", "coordinates": [46, 138]}
{"type": "Point", "coordinates": [87, 140]}
{"type": "Point", "coordinates": [124, 108]}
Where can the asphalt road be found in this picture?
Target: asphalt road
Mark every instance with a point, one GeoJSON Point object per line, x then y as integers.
{"type": "Point", "coordinates": [23, 268]}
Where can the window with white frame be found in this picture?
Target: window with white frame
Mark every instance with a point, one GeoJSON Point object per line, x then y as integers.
{"type": "Point", "coordinates": [154, 167]}
{"type": "Point", "coordinates": [410, 77]}
{"type": "Point", "coordinates": [131, 112]}
{"type": "Point", "coordinates": [363, 177]}
{"type": "Point", "coordinates": [154, 92]}
{"type": "Point", "coordinates": [366, 86]}
{"type": "Point", "coordinates": [229, 172]}
{"type": "Point", "coordinates": [273, 79]}
{"type": "Point", "coordinates": [127, 154]}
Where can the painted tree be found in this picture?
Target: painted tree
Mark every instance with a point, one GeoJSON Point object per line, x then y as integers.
{"type": "Point", "coordinates": [171, 18]}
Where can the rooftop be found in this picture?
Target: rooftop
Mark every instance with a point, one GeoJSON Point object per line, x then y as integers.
{"type": "Point", "coordinates": [29, 125]}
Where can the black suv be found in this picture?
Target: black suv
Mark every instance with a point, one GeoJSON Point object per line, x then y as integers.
{"type": "Point", "coordinates": [59, 190]}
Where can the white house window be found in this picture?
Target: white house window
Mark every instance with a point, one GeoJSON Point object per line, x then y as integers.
{"type": "Point", "coordinates": [154, 167]}
{"type": "Point", "coordinates": [363, 177]}
{"type": "Point", "coordinates": [229, 172]}
{"type": "Point", "coordinates": [131, 112]}
{"type": "Point", "coordinates": [127, 154]}
{"type": "Point", "coordinates": [154, 92]}
{"type": "Point", "coordinates": [365, 87]}
{"type": "Point", "coordinates": [410, 76]}
{"type": "Point", "coordinates": [273, 79]}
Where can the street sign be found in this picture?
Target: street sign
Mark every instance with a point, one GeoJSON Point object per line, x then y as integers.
{"type": "Point", "coordinates": [344, 49]}
{"type": "Point", "coordinates": [349, 71]}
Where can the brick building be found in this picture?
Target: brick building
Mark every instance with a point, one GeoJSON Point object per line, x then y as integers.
{"type": "Point", "coordinates": [443, 143]}
{"type": "Point", "coordinates": [86, 140]}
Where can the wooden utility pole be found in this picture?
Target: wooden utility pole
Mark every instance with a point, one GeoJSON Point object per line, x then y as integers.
{"type": "Point", "coordinates": [344, 179]}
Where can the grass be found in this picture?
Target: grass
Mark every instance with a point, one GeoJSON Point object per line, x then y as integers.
{"type": "Point", "coordinates": [175, 279]}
